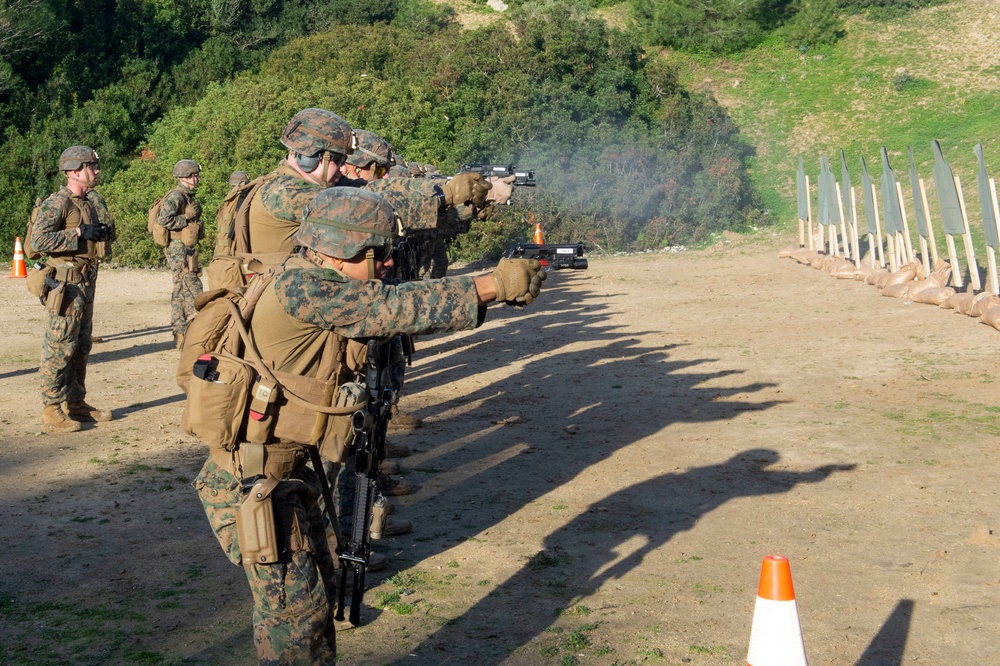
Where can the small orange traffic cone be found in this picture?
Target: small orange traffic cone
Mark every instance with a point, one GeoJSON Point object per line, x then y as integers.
{"type": "Point", "coordinates": [775, 637]}
{"type": "Point", "coordinates": [538, 235]}
{"type": "Point", "coordinates": [17, 267]}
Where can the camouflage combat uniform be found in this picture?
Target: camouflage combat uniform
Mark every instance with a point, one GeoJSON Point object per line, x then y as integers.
{"type": "Point", "coordinates": [182, 260]}
{"type": "Point", "coordinates": [292, 325]}
{"type": "Point", "coordinates": [68, 337]}
{"type": "Point", "coordinates": [276, 210]}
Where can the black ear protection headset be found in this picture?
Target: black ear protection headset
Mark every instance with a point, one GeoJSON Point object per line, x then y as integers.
{"type": "Point", "coordinates": [308, 163]}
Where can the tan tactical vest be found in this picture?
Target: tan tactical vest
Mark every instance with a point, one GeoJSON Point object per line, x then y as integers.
{"type": "Point", "coordinates": [77, 211]}
{"type": "Point", "coordinates": [313, 363]}
{"type": "Point", "coordinates": [270, 234]}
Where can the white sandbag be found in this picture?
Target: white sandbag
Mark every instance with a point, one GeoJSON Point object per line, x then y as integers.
{"type": "Point", "coordinates": [895, 290]}
{"type": "Point", "coordinates": [933, 296]}
{"type": "Point", "coordinates": [983, 304]}
{"type": "Point", "coordinates": [992, 317]}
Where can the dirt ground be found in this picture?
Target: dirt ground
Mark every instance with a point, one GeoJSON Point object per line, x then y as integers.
{"type": "Point", "coordinates": [599, 478]}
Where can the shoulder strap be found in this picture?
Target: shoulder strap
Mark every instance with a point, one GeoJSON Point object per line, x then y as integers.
{"type": "Point", "coordinates": [240, 231]}
{"type": "Point", "coordinates": [258, 364]}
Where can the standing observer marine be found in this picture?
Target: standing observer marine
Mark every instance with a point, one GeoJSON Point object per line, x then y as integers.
{"type": "Point", "coordinates": [326, 296]}
{"type": "Point", "coordinates": [74, 232]}
{"type": "Point", "coordinates": [180, 217]}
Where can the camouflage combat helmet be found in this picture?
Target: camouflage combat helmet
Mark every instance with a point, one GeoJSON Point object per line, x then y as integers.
{"type": "Point", "coordinates": [416, 169]}
{"type": "Point", "coordinates": [186, 168]}
{"type": "Point", "coordinates": [343, 221]}
{"type": "Point", "coordinates": [371, 148]}
{"type": "Point", "coordinates": [398, 159]}
{"type": "Point", "coordinates": [238, 178]}
{"type": "Point", "coordinates": [75, 157]}
{"type": "Point", "coordinates": [313, 131]}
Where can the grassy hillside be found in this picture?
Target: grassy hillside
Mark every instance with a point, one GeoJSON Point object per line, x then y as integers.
{"type": "Point", "coordinates": [930, 75]}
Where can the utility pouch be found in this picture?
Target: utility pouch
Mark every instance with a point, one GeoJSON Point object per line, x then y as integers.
{"type": "Point", "coordinates": [54, 299]}
{"type": "Point", "coordinates": [255, 524]}
{"type": "Point", "coordinates": [192, 233]}
{"type": "Point", "coordinates": [217, 398]}
{"type": "Point", "coordinates": [192, 262]}
{"type": "Point", "coordinates": [37, 276]}
{"type": "Point", "coordinates": [102, 249]}
{"type": "Point", "coordinates": [263, 394]}
{"type": "Point", "coordinates": [226, 272]}
{"type": "Point", "coordinates": [336, 444]}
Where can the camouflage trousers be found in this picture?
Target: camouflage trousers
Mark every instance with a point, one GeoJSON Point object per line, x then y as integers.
{"type": "Point", "coordinates": [183, 263]}
{"type": "Point", "coordinates": [294, 599]}
{"type": "Point", "coordinates": [67, 343]}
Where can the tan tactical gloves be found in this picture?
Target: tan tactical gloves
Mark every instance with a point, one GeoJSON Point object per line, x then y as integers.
{"type": "Point", "coordinates": [192, 211]}
{"type": "Point", "coordinates": [519, 281]}
{"type": "Point", "coordinates": [466, 188]}
{"type": "Point", "coordinates": [501, 191]}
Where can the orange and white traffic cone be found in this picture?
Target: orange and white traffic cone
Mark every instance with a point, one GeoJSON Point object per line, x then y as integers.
{"type": "Point", "coordinates": [538, 235]}
{"type": "Point", "coordinates": [17, 267]}
{"type": "Point", "coordinates": [776, 637]}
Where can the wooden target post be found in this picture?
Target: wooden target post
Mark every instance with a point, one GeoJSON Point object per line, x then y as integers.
{"type": "Point", "coordinates": [809, 221]}
{"type": "Point", "coordinates": [907, 241]}
{"type": "Point", "coordinates": [970, 252]}
{"type": "Point", "coordinates": [854, 233]}
{"type": "Point", "coordinates": [929, 243]}
{"type": "Point", "coordinates": [890, 247]}
{"type": "Point", "coordinates": [991, 255]}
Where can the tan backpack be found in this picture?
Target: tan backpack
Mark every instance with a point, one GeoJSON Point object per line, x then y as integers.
{"type": "Point", "coordinates": [233, 396]}
{"type": "Point", "coordinates": [233, 220]}
{"type": "Point", "coordinates": [160, 234]}
{"type": "Point", "coordinates": [30, 253]}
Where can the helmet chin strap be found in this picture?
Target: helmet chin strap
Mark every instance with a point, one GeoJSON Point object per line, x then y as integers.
{"type": "Point", "coordinates": [87, 182]}
{"type": "Point", "coordinates": [324, 174]}
{"type": "Point", "coordinates": [370, 260]}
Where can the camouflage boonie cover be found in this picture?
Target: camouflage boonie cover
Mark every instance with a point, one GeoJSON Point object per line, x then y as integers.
{"type": "Point", "coordinates": [342, 221]}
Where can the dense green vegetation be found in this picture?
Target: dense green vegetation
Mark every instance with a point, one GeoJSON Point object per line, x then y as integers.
{"type": "Point", "coordinates": [865, 92]}
{"type": "Point", "coordinates": [627, 156]}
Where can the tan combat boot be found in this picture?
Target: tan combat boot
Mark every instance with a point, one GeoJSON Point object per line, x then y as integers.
{"type": "Point", "coordinates": [178, 341]}
{"type": "Point", "coordinates": [400, 420]}
{"type": "Point", "coordinates": [81, 411]}
{"type": "Point", "coordinates": [382, 525]}
{"type": "Point", "coordinates": [54, 417]}
{"type": "Point", "coordinates": [396, 450]}
{"type": "Point", "coordinates": [389, 467]}
{"type": "Point", "coordinates": [393, 487]}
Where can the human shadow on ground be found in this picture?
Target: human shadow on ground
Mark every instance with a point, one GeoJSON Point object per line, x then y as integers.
{"type": "Point", "coordinates": [579, 558]}
{"type": "Point", "coordinates": [889, 644]}
{"type": "Point", "coordinates": [601, 387]}
{"type": "Point", "coordinates": [103, 356]}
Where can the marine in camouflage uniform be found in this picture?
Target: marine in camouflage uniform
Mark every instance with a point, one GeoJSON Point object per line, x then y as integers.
{"type": "Point", "coordinates": [318, 143]}
{"type": "Point", "coordinates": [180, 214]}
{"type": "Point", "coordinates": [329, 293]}
{"type": "Point", "coordinates": [74, 231]}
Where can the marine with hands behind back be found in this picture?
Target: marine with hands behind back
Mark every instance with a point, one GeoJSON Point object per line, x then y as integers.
{"type": "Point", "coordinates": [180, 217]}
{"type": "Point", "coordinates": [73, 231]}
{"type": "Point", "coordinates": [310, 328]}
